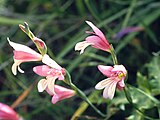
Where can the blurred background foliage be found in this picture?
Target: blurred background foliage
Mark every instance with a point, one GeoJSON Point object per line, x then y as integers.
{"type": "Point", "coordinates": [61, 24]}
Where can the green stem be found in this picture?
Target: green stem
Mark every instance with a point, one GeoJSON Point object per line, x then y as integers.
{"type": "Point", "coordinates": [81, 93]}
{"type": "Point", "coordinates": [84, 97]}
{"type": "Point", "coordinates": [114, 57]}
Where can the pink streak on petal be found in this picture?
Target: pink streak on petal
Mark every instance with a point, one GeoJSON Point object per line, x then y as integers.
{"type": "Point", "coordinates": [106, 70]}
{"type": "Point", "coordinates": [102, 84]}
{"type": "Point", "coordinates": [42, 70]}
{"type": "Point", "coordinates": [110, 89]}
{"type": "Point", "coordinates": [7, 113]}
{"type": "Point", "coordinates": [24, 56]}
{"type": "Point", "coordinates": [96, 30]}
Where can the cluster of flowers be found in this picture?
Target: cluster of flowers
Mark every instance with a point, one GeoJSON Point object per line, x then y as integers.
{"type": "Point", "coordinates": [115, 74]}
{"type": "Point", "coordinates": [51, 70]}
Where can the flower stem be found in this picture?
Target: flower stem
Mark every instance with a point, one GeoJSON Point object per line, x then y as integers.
{"type": "Point", "coordinates": [84, 97]}
{"type": "Point", "coordinates": [114, 57]}
{"type": "Point", "coordinates": [81, 93]}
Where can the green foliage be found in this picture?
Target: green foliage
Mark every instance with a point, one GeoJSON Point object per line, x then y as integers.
{"type": "Point", "coordinates": [61, 24]}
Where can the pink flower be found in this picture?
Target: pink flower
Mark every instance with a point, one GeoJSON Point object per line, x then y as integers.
{"type": "Point", "coordinates": [51, 71]}
{"type": "Point", "coordinates": [22, 54]}
{"type": "Point", "coordinates": [60, 93]}
{"type": "Point", "coordinates": [116, 76]}
{"type": "Point", "coordinates": [7, 113]}
{"type": "Point", "coordinates": [97, 40]}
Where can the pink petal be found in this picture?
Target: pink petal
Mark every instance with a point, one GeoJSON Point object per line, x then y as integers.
{"type": "Point", "coordinates": [7, 113]}
{"type": "Point", "coordinates": [42, 70]}
{"type": "Point", "coordinates": [119, 68]}
{"type": "Point", "coordinates": [96, 30]}
{"type": "Point", "coordinates": [61, 93]}
{"type": "Point", "coordinates": [98, 43]}
{"type": "Point", "coordinates": [25, 56]}
{"type": "Point", "coordinates": [55, 99]}
{"type": "Point", "coordinates": [42, 84]}
{"type": "Point", "coordinates": [121, 84]}
{"type": "Point", "coordinates": [106, 70]}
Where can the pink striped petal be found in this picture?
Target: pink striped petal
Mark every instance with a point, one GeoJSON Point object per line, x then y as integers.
{"type": "Point", "coordinates": [109, 90]}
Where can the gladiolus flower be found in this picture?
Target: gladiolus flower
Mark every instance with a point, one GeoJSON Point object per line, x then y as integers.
{"type": "Point", "coordinates": [97, 40]}
{"type": "Point", "coordinates": [7, 113]}
{"type": "Point", "coordinates": [51, 71]}
{"type": "Point", "coordinates": [60, 93]}
{"type": "Point", "coordinates": [116, 76]}
{"type": "Point", "coordinates": [22, 54]}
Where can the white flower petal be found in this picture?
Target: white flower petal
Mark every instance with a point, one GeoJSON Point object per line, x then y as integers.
{"type": "Point", "coordinates": [20, 70]}
{"type": "Point", "coordinates": [42, 84]}
{"type": "Point", "coordinates": [51, 83]}
{"type": "Point", "coordinates": [14, 69]}
{"type": "Point", "coordinates": [81, 46]}
{"type": "Point", "coordinates": [48, 61]}
{"type": "Point", "coordinates": [15, 65]}
{"type": "Point", "coordinates": [110, 89]}
{"type": "Point", "coordinates": [102, 84]}
{"type": "Point", "coordinates": [20, 47]}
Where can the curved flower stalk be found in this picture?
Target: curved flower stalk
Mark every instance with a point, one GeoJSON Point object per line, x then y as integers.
{"type": "Point", "coordinates": [97, 40]}
{"type": "Point", "coordinates": [60, 93]}
{"type": "Point", "coordinates": [7, 113]}
{"type": "Point", "coordinates": [22, 54]}
{"type": "Point", "coordinates": [116, 76]}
